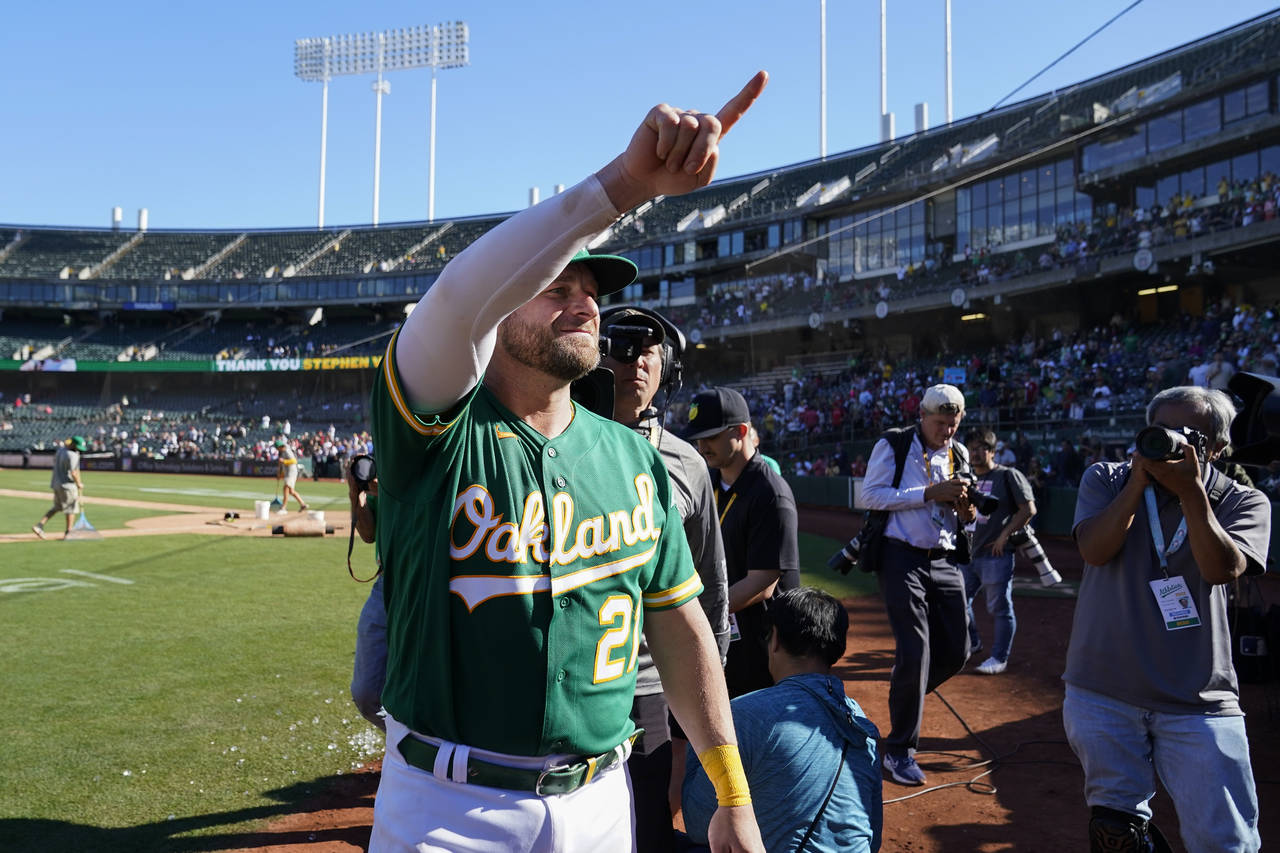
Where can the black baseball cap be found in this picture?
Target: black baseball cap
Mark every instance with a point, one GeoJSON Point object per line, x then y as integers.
{"type": "Point", "coordinates": [715, 411]}
{"type": "Point", "coordinates": [612, 272]}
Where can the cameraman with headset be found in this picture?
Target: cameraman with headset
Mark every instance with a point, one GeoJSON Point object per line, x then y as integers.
{"type": "Point", "coordinates": [1150, 688]}
{"type": "Point", "coordinates": [922, 587]}
{"type": "Point", "coordinates": [643, 351]}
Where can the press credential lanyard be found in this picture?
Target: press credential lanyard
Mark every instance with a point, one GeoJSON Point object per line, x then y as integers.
{"type": "Point", "coordinates": [935, 511]}
{"type": "Point", "coordinates": [1177, 607]}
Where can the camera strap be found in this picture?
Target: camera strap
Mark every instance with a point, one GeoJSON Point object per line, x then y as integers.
{"type": "Point", "coordinates": [1157, 531]}
{"type": "Point", "coordinates": [351, 542]}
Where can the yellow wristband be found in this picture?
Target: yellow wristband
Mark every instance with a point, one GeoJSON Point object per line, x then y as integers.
{"type": "Point", "coordinates": [724, 770]}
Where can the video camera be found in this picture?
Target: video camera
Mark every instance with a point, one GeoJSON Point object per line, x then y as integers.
{"type": "Point", "coordinates": [624, 343]}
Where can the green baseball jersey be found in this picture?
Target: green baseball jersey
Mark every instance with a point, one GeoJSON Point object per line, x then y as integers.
{"type": "Point", "coordinates": [517, 571]}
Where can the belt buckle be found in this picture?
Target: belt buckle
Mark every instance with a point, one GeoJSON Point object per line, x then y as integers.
{"type": "Point", "coordinates": [542, 776]}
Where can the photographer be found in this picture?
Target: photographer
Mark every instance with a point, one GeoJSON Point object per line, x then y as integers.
{"type": "Point", "coordinates": [991, 566]}
{"type": "Point", "coordinates": [369, 671]}
{"type": "Point", "coordinates": [1150, 689]}
{"type": "Point", "coordinates": [922, 588]}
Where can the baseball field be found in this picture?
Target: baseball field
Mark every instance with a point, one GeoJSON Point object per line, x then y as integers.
{"type": "Point", "coordinates": [183, 677]}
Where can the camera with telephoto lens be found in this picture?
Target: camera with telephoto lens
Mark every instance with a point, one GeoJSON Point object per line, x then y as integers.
{"type": "Point", "coordinates": [846, 558]}
{"type": "Point", "coordinates": [1164, 444]}
{"type": "Point", "coordinates": [984, 503]}
{"type": "Point", "coordinates": [363, 471]}
{"type": "Point", "coordinates": [624, 343]}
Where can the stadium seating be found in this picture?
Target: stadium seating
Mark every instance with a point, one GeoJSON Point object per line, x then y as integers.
{"type": "Point", "coordinates": [165, 254]}
{"type": "Point", "coordinates": [55, 254]}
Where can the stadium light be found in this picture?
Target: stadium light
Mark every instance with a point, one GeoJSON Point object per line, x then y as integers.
{"type": "Point", "coordinates": [321, 59]}
{"type": "Point", "coordinates": [822, 79]}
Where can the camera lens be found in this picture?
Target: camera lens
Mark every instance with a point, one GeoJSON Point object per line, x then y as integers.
{"type": "Point", "coordinates": [845, 559]}
{"type": "Point", "coordinates": [1159, 443]}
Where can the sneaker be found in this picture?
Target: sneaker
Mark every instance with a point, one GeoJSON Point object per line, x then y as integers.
{"type": "Point", "coordinates": [39, 531]}
{"type": "Point", "coordinates": [903, 769]}
{"type": "Point", "coordinates": [282, 511]}
{"type": "Point", "coordinates": [991, 666]}
{"type": "Point", "coordinates": [303, 508]}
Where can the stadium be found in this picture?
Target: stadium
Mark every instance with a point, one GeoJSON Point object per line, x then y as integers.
{"type": "Point", "coordinates": [1060, 259]}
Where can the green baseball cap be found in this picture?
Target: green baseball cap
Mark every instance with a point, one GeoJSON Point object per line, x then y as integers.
{"type": "Point", "coordinates": [78, 442]}
{"type": "Point", "coordinates": [612, 272]}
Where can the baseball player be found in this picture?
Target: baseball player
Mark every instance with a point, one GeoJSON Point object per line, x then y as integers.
{"type": "Point", "coordinates": [527, 542]}
{"type": "Point", "coordinates": [288, 471]}
{"type": "Point", "coordinates": [644, 355]}
{"type": "Point", "coordinates": [66, 484]}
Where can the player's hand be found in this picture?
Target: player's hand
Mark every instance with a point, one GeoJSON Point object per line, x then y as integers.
{"type": "Point", "coordinates": [733, 829]}
{"type": "Point", "coordinates": [674, 151]}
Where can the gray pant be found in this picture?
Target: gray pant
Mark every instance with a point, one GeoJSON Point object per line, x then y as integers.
{"type": "Point", "coordinates": [926, 604]}
{"type": "Point", "coordinates": [369, 673]}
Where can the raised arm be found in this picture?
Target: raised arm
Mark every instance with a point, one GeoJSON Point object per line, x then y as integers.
{"type": "Point", "coordinates": [1217, 556]}
{"type": "Point", "coordinates": [1101, 534]}
{"type": "Point", "coordinates": [445, 345]}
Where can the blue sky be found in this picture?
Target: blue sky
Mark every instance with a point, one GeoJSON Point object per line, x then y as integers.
{"type": "Point", "coordinates": [192, 110]}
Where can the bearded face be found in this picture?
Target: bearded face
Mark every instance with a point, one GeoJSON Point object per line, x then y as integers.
{"type": "Point", "coordinates": [543, 345]}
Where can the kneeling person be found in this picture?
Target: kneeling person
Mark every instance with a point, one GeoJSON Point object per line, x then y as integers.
{"type": "Point", "coordinates": [809, 751]}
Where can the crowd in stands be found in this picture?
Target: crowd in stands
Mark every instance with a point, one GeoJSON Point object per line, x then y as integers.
{"type": "Point", "coordinates": [1111, 231]}
{"type": "Point", "coordinates": [1090, 385]}
{"type": "Point", "coordinates": [1085, 383]}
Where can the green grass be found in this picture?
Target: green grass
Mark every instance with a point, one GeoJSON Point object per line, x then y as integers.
{"type": "Point", "coordinates": [232, 493]}
{"type": "Point", "coordinates": [189, 702]}
{"type": "Point", "coordinates": [18, 514]}
{"type": "Point", "coordinates": [180, 710]}
{"type": "Point", "coordinates": [814, 552]}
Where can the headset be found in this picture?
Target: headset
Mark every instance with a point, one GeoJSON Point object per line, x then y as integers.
{"type": "Point", "coordinates": [626, 347]}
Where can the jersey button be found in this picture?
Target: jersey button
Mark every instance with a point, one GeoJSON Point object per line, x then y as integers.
{"type": "Point", "coordinates": [564, 602]}
{"type": "Point", "coordinates": [560, 482]}
{"type": "Point", "coordinates": [551, 451]}
{"type": "Point", "coordinates": [560, 675]}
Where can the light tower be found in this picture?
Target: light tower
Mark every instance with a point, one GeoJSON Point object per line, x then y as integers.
{"type": "Point", "coordinates": [434, 47]}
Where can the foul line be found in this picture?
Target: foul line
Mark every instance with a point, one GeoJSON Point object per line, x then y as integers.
{"type": "Point", "coordinates": [95, 577]}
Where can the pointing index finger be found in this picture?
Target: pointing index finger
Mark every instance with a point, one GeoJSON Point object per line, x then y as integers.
{"type": "Point", "coordinates": [741, 102]}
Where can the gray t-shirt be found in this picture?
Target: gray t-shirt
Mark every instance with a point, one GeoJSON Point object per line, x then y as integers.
{"type": "Point", "coordinates": [1008, 486]}
{"type": "Point", "coordinates": [1119, 645]}
{"type": "Point", "coordinates": [65, 461]}
{"type": "Point", "coordinates": [695, 499]}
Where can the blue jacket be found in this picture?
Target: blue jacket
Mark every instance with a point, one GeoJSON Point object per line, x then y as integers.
{"type": "Point", "coordinates": [790, 737]}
